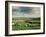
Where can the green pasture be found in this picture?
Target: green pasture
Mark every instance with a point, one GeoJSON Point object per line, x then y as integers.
{"type": "Point", "coordinates": [25, 23]}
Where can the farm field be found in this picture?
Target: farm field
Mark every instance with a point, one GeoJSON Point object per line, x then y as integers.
{"type": "Point", "coordinates": [24, 23]}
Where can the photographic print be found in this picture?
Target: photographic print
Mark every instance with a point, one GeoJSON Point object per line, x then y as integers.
{"type": "Point", "coordinates": [24, 18]}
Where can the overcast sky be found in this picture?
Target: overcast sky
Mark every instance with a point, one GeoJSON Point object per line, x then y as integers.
{"type": "Point", "coordinates": [26, 12]}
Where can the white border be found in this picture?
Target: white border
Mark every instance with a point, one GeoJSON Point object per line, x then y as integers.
{"type": "Point", "coordinates": [24, 31]}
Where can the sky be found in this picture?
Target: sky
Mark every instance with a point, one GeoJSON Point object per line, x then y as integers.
{"type": "Point", "coordinates": [32, 12]}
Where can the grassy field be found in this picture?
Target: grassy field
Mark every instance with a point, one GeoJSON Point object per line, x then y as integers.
{"type": "Point", "coordinates": [22, 23]}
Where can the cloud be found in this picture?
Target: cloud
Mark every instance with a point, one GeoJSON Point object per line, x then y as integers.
{"type": "Point", "coordinates": [26, 12]}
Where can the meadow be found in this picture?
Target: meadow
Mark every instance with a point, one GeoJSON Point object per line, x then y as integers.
{"type": "Point", "coordinates": [23, 23]}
